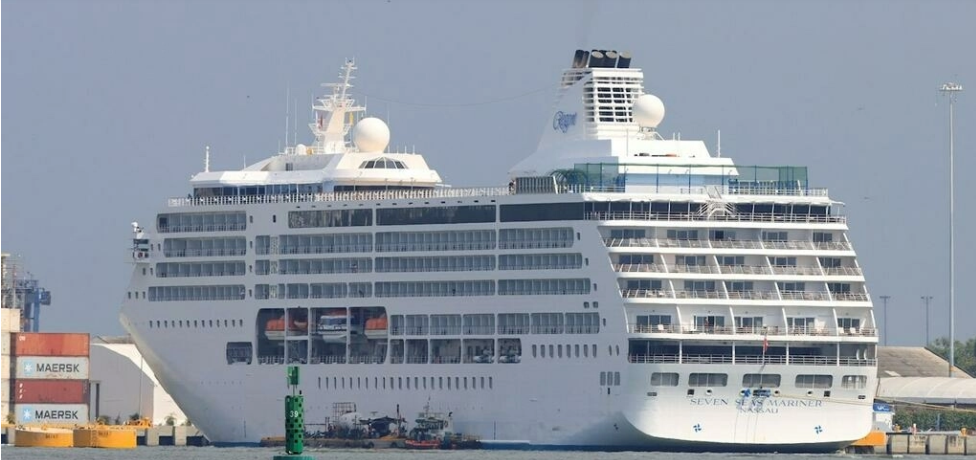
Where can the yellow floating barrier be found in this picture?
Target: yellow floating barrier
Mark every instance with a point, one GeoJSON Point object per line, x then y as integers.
{"type": "Point", "coordinates": [105, 437]}
{"type": "Point", "coordinates": [43, 437]}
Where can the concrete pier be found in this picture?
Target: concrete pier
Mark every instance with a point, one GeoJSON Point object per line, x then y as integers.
{"type": "Point", "coordinates": [930, 444]}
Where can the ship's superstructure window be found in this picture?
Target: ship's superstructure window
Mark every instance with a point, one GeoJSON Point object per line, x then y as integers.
{"type": "Point", "coordinates": [445, 324]}
{"type": "Point", "coordinates": [783, 261]}
{"type": "Point", "coordinates": [434, 288]}
{"type": "Point", "coordinates": [689, 260]}
{"type": "Point", "coordinates": [330, 218]}
{"type": "Point", "coordinates": [513, 323]}
{"type": "Point", "coordinates": [455, 240]}
{"type": "Point", "coordinates": [814, 381]}
{"type": "Point", "coordinates": [697, 379]}
{"type": "Point", "coordinates": [323, 266]}
{"type": "Point", "coordinates": [193, 269]}
{"type": "Point", "coordinates": [201, 222]}
{"type": "Point", "coordinates": [239, 353]}
{"type": "Point", "coordinates": [628, 233]}
{"type": "Point", "coordinates": [664, 379]}
{"type": "Point", "coordinates": [544, 287]}
{"type": "Point", "coordinates": [539, 261]}
{"type": "Point", "coordinates": [547, 323]}
{"type": "Point", "coordinates": [761, 380]}
{"type": "Point", "coordinates": [183, 293]}
{"type": "Point", "coordinates": [582, 323]}
{"type": "Point", "coordinates": [848, 324]}
{"type": "Point", "coordinates": [434, 264]}
{"type": "Point", "coordinates": [774, 236]}
{"type": "Point", "coordinates": [204, 247]}
{"type": "Point", "coordinates": [682, 234]}
{"type": "Point", "coordinates": [652, 323]}
{"type": "Point", "coordinates": [436, 215]}
{"type": "Point", "coordinates": [652, 285]}
{"type": "Point", "coordinates": [542, 212]}
{"type": "Point", "coordinates": [325, 243]}
{"type": "Point", "coordinates": [854, 382]}
{"type": "Point", "coordinates": [636, 259]}
{"type": "Point", "coordinates": [382, 163]}
{"type": "Point", "coordinates": [535, 238]}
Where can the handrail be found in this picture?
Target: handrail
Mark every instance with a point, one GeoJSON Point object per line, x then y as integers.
{"type": "Point", "coordinates": [638, 268]}
{"type": "Point", "coordinates": [774, 218]}
{"type": "Point", "coordinates": [772, 331]}
{"type": "Point", "coordinates": [752, 359]}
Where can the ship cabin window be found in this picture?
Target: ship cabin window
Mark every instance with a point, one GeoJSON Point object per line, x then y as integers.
{"type": "Point", "coordinates": [435, 215]}
{"type": "Point", "coordinates": [822, 237]}
{"type": "Point", "coordinates": [664, 379]}
{"type": "Point", "coordinates": [603, 379]}
{"type": "Point", "coordinates": [616, 379]}
{"type": "Point", "coordinates": [383, 163]}
{"type": "Point", "coordinates": [831, 262]}
{"type": "Point", "coordinates": [749, 324]}
{"type": "Point", "coordinates": [593, 348]}
{"type": "Point", "coordinates": [783, 261]}
{"type": "Point", "coordinates": [708, 323]}
{"type": "Point", "coordinates": [774, 236]}
{"type": "Point", "coordinates": [837, 288]}
{"type": "Point", "coordinates": [596, 304]}
{"type": "Point", "coordinates": [731, 260]}
{"type": "Point", "coordinates": [643, 284]}
{"type": "Point", "coordinates": [239, 352]}
{"type": "Point", "coordinates": [847, 324]}
{"type": "Point", "coordinates": [814, 381]}
{"type": "Point", "coordinates": [653, 323]}
{"type": "Point", "coordinates": [689, 260]}
{"type": "Point", "coordinates": [761, 380]}
{"type": "Point", "coordinates": [628, 233]}
{"type": "Point", "coordinates": [636, 259]}
{"type": "Point", "coordinates": [542, 212]}
{"type": "Point", "coordinates": [792, 286]}
{"type": "Point", "coordinates": [697, 379]}
{"type": "Point", "coordinates": [682, 234]}
{"type": "Point", "coordinates": [534, 350]}
{"type": "Point", "coordinates": [721, 235]}
{"type": "Point", "coordinates": [739, 286]}
{"type": "Point", "coordinates": [854, 382]}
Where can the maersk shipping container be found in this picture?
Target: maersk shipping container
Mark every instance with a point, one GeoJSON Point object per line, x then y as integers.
{"type": "Point", "coordinates": [50, 391]}
{"type": "Point", "coordinates": [50, 344]}
{"type": "Point", "coordinates": [51, 413]}
{"type": "Point", "coordinates": [51, 367]}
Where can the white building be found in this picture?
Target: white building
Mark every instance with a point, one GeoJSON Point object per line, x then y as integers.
{"type": "Point", "coordinates": [122, 384]}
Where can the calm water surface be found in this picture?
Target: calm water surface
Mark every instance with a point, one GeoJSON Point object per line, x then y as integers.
{"type": "Point", "coordinates": [213, 453]}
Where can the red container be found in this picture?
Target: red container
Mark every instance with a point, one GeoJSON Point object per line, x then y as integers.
{"type": "Point", "coordinates": [49, 392]}
{"type": "Point", "coordinates": [49, 344]}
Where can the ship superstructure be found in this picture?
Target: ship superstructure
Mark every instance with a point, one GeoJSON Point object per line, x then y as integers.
{"type": "Point", "coordinates": [621, 291]}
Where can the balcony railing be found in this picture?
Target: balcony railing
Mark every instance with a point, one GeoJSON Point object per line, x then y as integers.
{"type": "Point", "coordinates": [706, 269]}
{"type": "Point", "coordinates": [795, 270]}
{"type": "Point", "coordinates": [204, 252]}
{"type": "Point", "coordinates": [777, 331]}
{"type": "Point", "coordinates": [736, 244]}
{"type": "Point", "coordinates": [700, 294]}
{"type": "Point", "coordinates": [325, 249]}
{"type": "Point", "coordinates": [413, 247]}
{"type": "Point", "coordinates": [844, 271]}
{"type": "Point", "coordinates": [851, 296]}
{"type": "Point", "coordinates": [805, 295]}
{"type": "Point", "coordinates": [725, 244]}
{"type": "Point", "coordinates": [752, 359]}
{"type": "Point", "coordinates": [202, 228]}
{"type": "Point", "coordinates": [638, 268]}
{"type": "Point", "coordinates": [753, 295]}
{"type": "Point", "coordinates": [745, 270]}
{"type": "Point", "coordinates": [671, 217]}
{"type": "Point", "coordinates": [646, 293]}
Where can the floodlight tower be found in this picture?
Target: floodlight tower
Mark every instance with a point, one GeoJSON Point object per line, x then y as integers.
{"type": "Point", "coordinates": [950, 90]}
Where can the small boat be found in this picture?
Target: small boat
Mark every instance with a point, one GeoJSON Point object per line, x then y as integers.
{"type": "Point", "coordinates": [376, 328]}
{"type": "Point", "coordinates": [274, 329]}
{"type": "Point", "coordinates": [427, 444]}
{"type": "Point", "coordinates": [333, 326]}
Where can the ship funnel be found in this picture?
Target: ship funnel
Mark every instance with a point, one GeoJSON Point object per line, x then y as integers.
{"type": "Point", "coordinates": [579, 59]}
{"type": "Point", "coordinates": [610, 60]}
{"type": "Point", "coordinates": [623, 62]}
{"type": "Point", "coordinates": [596, 59]}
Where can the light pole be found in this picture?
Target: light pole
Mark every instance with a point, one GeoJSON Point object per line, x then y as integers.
{"type": "Point", "coordinates": [950, 90]}
{"type": "Point", "coordinates": [884, 300]}
{"type": "Point", "coordinates": [926, 299]}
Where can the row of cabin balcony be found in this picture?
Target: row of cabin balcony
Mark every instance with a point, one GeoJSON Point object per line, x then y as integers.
{"type": "Point", "coordinates": [769, 331]}
{"type": "Point", "coordinates": [666, 243]}
{"type": "Point", "coordinates": [738, 269]}
{"type": "Point", "coordinates": [742, 290]}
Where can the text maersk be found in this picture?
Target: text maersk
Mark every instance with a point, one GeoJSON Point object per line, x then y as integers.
{"type": "Point", "coordinates": [41, 414]}
{"type": "Point", "coordinates": [58, 367]}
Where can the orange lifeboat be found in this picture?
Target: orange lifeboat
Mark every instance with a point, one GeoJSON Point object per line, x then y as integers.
{"type": "Point", "coordinates": [274, 329]}
{"type": "Point", "coordinates": [376, 328]}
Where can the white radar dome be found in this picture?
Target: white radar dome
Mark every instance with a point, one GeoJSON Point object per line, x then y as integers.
{"type": "Point", "coordinates": [648, 111]}
{"type": "Point", "coordinates": [371, 135]}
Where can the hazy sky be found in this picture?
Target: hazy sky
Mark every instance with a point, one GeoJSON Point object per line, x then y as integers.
{"type": "Point", "coordinates": [109, 106]}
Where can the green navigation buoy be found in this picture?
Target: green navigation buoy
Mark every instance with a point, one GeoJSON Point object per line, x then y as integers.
{"type": "Point", "coordinates": [294, 421]}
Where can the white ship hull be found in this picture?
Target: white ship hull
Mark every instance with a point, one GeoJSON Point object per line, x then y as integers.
{"type": "Point", "coordinates": [623, 292]}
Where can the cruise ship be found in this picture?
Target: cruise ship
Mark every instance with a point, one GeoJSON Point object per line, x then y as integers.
{"type": "Point", "coordinates": [620, 290]}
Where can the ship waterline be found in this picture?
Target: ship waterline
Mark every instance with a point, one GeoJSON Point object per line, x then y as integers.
{"type": "Point", "coordinates": [623, 291]}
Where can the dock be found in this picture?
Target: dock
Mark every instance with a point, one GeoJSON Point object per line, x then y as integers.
{"type": "Point", "coordinates": [148, 436]}
{"type": "Point", "coordinates": [927, 443]}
